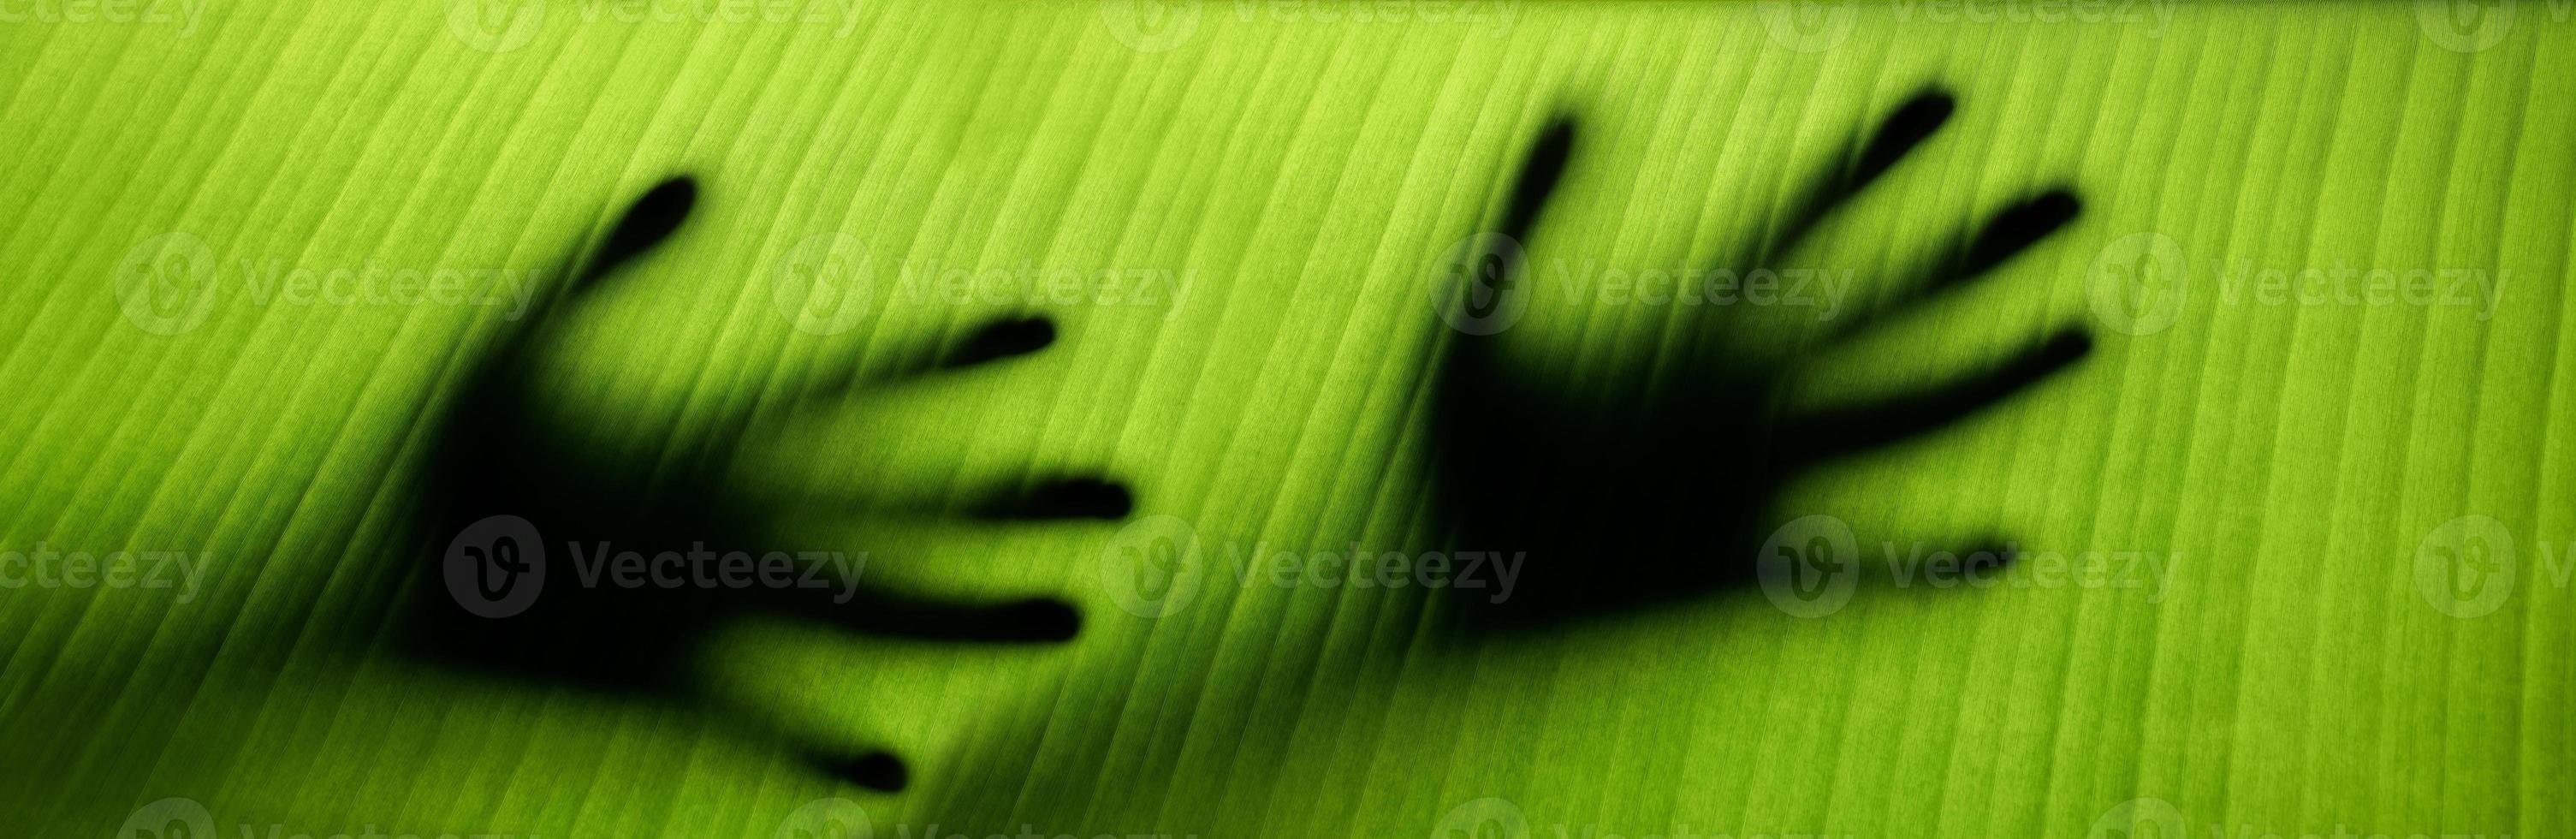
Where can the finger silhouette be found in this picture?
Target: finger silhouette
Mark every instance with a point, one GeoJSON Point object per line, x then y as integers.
{"type": "Point", "coordinates": [1540, 172]}
{"type": "Point", "coordinates": [1841, 432]}
{"type": "Point", "coordinates": [1625, 499]}
{"type": "Point", "coordinates": [1493, 270]}
{"type": "Point", "coordinates": [1002, 339]}
{"type": "Point", "coordinates": [1468, 371]}
{"type": "Point", "coordinates": [2012, 230]}
{"type": "Point", "coordinates": [878, 771]}
{"type": "Point", "coordinates": [651, 219]}
{"type": "Point", "coordinates": [1064, 498]}
{"type": "Point", "coordinates": [511, 448]}
{"type": "Point", "coordinates": [1906, 128]}
{"type": "Point", "coordinates": [870, 612]}
{"type": "Point", "coordinates": [996, 341]}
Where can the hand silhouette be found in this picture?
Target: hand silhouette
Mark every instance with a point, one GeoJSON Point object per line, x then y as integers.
{"type": "Point", "coordinates": [515, 498]}
{"type": "Point", "coordinates": [1661, 492]}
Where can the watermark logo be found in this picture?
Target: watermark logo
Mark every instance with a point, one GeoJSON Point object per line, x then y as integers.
{"type": "Point", "coordinates": [2470, 566]}
{"type": "Point", "coordinates": [1498, 818]}
{"type": "Point", "coordinates": [1483, 818]}
{"type": "Point", "coordinates": [1819, 289]}
{"type": "Point", "coordinates": [1158, 565]}
{"type": "Point", "coordinates": [841, 818]}
{"type": "Point", "coordinates": [45, 567]}
{"type": "Point", "coordinates": [181, 16]}
{"type": "Point", "coordinates": [2465, 567]}
{"type": "Point", "coordinates": [825, 283]}
{"type": "Point", "coordinates": [1150, 25]}
{"type": "Point", "coordinates": [1809, 25]}
{"type": "Point", "coordinates": [2140, 818]}
{"type": "Point", "coordinates": [502, 26]}
{"type": "Point", "coordinates": [1472, 287]}
{"type": "Point", "coordinates": [2137, 285]}
{"type": "Point", "coordinates": [496, 26]}
{"type": "Point", "coordinates": [169, 818]}
{"type": "Point", "coordinates": [2465, 25]}
{"type": "Point", "coordinates": [496, 566]}
{"type": "Point", "coordinates": [1809, 566]}
{"type": "Point", "coordinates": [1154, 26]}
{"type": "Point", "coordinates": [1029, 283]}
{"type": "Point", "coordinates": [2156, 15]}
{"type": "Point", "coordinates": [185, 818]}
{"type": "Point", "coordinates": [1494, 17]}
{"type": "Point", "coordinates": [166, 284]}
{"type": "Point", "coordinates": [827, 818]}
{"type": "Point", "coordinates": [2156, 818]}
{"type": "Point", "coordinates": [1153, 567]}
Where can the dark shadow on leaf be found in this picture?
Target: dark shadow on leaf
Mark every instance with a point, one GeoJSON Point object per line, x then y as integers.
{"type": "Point", "coordinates": [1664, 496]}
{"type": "Point", "coordinates": [519, 513]}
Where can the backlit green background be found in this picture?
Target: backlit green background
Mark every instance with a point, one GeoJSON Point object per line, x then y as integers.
{"type": "Point", "coordinates": [1304, 167]}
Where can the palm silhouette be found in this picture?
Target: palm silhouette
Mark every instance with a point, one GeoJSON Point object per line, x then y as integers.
{"type": "Point", "coordinates": [510, 488]}
{"type": "Point", "coordinates": [1660, 493]}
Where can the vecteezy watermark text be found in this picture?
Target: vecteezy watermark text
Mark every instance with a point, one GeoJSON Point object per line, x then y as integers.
{"type": "Point", "coordinates": [826, 284]}
{"type": "Point", "coordinates": [500, 26]}
{"type": "Point", "coordinates": [2479, 25]}
{"type": "Point", "coordinates": [2469, 566]}
{"type": "Point", "coordinates": [1473, 286]}
{"type": "Point", "coordinates": [186, 818]}
{"type": "Point", "coordinates": [2139, 284]}
{"type": "Point", "coordinates": [842, 818]}
{"type": "Point", "coordinates": [498, 566]}
{"type": "Point", "coordinates": [168, 284]}
{"type": "Point", "coordinates": [45, 567]}
{"type": "Point", "coordinates": [1157, 565]}
{"type": "Point", "coordinates": [2139, 818]}
{"type": "Point", "coordinates": [1819, 25]}
{"type": "Point", "coordinates": [1587, 282]}
{"type": "Point", "coordinates": [1152, 26]}
{"type": "Point", "coordinates": [1500, 818]}
{"type": "Point", "coordinates": [180, 15]}
{"type": "Point", "coordinates": [1811, 566]}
